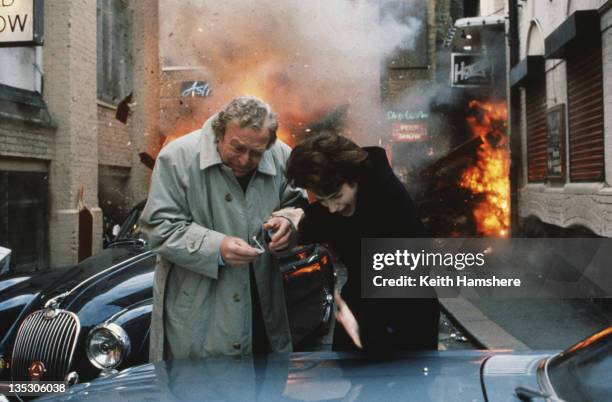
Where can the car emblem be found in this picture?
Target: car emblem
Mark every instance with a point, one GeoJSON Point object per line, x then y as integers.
{"type": "Point", "coordinates": [50, 313]}
{"type": "Point", "coordinates": [36, 370]}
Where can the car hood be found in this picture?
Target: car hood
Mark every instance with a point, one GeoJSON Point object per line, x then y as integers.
{"type": "Point", "coordinates": [19, 294]}
{"type": "Point", "coordinates": [52, 282]}
{"type": "Point", "coordinates": [113, 281]}
{"type": "Point", "coordinates": [23, 293]}
{"type": "Point", "coordinates": [425, 376]}
{"type": "Point", "coordinates": [95, 265]}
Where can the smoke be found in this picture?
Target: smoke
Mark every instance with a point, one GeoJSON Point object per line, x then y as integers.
{"type": "Point", "coordinates": [303, 57]}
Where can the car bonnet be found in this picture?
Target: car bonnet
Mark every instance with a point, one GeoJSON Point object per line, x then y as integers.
{"type": "Point", "coordinates": [435, 376]}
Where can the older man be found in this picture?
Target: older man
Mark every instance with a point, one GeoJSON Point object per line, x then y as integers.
{"type": "Point", "coordinates": [211, 191]}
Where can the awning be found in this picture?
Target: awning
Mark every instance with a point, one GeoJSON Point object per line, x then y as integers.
{"type": "Point", "coordinates": [490, 20]}
{"type": "Point", "coordinates": [531, 67]}
{"type": "Point", "coordinates": [581, 27]}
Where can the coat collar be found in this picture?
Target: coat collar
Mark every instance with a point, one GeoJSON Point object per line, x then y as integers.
{"type": "Point", "coordinates": [376, 169]}
{"type": "Point", "coordinates": [209, 156]}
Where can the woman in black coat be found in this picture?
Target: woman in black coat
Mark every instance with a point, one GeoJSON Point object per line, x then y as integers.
{"type": "Point", "coordinates": [359, 196]}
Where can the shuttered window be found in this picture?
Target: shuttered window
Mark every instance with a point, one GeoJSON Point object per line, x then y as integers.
{"type": "Point", "coordinates": [536, 130]}
{"type": "Point", "coordinates": [585, 113]}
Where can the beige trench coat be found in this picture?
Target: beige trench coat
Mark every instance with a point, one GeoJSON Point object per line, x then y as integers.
{"type": "Point", "coordinates": [194, 202]}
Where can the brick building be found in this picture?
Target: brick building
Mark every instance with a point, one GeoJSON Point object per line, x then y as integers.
{"type": "Point", "coordinates": [410, 78]}
{"type": "Point", "coordinates": [425, 111]}
{"type": "Point", "coordinates": [561, 108]}
{"type": "Point", "coordinates": [61, 148]}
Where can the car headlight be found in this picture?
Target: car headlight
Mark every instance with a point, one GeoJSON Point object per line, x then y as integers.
{"type": "Point", "coordinates": [107, 346]}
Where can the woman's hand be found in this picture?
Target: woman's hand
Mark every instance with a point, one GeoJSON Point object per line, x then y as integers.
{"type": "Point", "coordinates": [282, 232]}
{"type": "Point", "coordinates": [345, 316]}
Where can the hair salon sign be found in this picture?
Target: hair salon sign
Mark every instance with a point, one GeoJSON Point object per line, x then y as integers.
{"type": "Point", "coordinates": [21, 23]}
{"type": "Point", "coordinates": [471, 70]}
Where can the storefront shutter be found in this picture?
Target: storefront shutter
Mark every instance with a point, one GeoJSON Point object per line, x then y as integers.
{"type": "Point", "coordinates": [536, 130]}
{"type": "Point", "coordinates": [585, 113]}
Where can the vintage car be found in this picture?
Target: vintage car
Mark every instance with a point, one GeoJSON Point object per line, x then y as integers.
{"type": "Point", "coordinates": [72, 324]}
{"type": "Point", "coordinates": [579, 374]}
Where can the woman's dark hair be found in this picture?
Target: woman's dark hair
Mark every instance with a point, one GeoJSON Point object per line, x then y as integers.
{"type": "Point", "coordinates": [322, 163]}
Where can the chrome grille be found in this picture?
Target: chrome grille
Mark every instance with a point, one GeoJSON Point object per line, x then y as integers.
{"type": "Point", "coordinates": [48, 336]}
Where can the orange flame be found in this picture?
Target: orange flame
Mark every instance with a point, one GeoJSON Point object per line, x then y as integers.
{"type": "Point", "coordinates": [489, 176]}
{"type": "Point", "coordinates": [291, 116]}
{"type": "Point", "coordinates": [181, 128]}
{"type": "Point", "coordinates": [305, 270]}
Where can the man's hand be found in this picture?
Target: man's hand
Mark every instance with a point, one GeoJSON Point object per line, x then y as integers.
{"type": "Point", "coordinates": [282, 228]}
{"type": "Point", "coordinates": [236, 251]}
{"type": "Point", "coordinates": [345, 316]}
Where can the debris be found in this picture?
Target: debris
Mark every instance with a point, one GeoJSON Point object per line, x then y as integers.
{"type": "Point", "coordinates": [123, 109]}
{"type": "Point", "coordinates": [147, 160]}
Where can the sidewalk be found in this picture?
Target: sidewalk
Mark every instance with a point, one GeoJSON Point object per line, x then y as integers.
{"type": "Point", "coordinates": [523, 324]}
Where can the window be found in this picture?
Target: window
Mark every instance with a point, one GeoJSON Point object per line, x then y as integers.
{"type": "Point", "coordinates": [24, 218]}
{"type": "Point", "coordinates": [471, 8]}
{"type": "Point", "coordinates": [114, 51]}
{"type": "Point", "coordinates": [21, 67]}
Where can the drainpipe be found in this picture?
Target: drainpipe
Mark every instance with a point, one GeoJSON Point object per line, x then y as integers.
{"type": "Point", "coordinates": [514, 116]}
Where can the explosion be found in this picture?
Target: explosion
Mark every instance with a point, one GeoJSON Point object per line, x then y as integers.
{"type": "Point", "coordinates": [488, 179]}
{"type": "Point", "coordinates": [305, 59]}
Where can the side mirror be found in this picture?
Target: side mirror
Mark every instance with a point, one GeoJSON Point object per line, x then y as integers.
{"type": "Point", "coordinates": [115, 230]}
{"type": "Point", "coordinates": [5, 260]}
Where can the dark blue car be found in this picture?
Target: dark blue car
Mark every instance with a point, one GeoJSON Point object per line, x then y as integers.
{"type": "Point", "coordinates": [579, 374]}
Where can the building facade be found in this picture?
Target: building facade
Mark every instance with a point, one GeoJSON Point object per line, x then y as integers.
{"type": "Point", "coordinates": [60, 143]}
{"type": "Point", "coordinates": [561, 108]}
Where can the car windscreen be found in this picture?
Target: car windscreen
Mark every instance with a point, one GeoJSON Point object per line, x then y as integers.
{"type": "Point", "coordinates": [130, 229]}
{"type": "Point", "coordinates": [582, 373]}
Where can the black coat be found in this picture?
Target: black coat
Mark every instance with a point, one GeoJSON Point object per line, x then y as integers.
{"type": "Point", "coordinates": [384, 209]}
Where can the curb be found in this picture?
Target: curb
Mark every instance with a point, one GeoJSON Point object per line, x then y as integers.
{"type": "Point", "coordinates": [477, 326]}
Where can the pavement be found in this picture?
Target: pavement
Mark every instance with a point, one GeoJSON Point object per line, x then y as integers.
{"type": "Point", "coordinates": [514, 324]}
{"type": "Point", "coordinates": [526, 324]}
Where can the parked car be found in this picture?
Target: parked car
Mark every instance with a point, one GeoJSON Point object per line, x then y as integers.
{"type": "Point", "coordinates": [579, 374]}
{"type": "Point", "coordinates": [71, 324]}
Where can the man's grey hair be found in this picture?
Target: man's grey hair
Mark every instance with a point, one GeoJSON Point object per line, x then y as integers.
{"type": "Point", "coordinates": [249, 112]}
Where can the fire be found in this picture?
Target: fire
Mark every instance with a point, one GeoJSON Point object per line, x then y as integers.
{"type": "Point", "coordinates": [305, 270]}
{"type": "Point", "coordinates": [181, 128]}
{"type": "Point", "coordinates": [489, 177]}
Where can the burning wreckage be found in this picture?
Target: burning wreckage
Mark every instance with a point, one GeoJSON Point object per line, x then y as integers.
{"type": "Point", "coordinates": [467, 191]}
